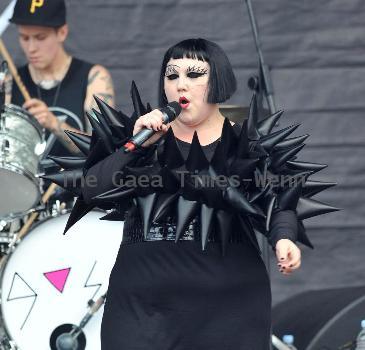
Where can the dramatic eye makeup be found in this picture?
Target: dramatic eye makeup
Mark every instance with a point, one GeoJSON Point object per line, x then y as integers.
{"type": "Point", "coordinates": [191, 72]}
{"type": "Point", "coordinates": [196, 71]}
{"type": "Point", "coordinates": [171, 73]}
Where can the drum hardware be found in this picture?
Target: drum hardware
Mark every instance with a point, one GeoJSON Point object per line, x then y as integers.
{"type": "Point", "coordinates": [7, 344]}
{"type": "Point", "coordinates": [58, 208]}
{"type": "Point", "coordinates": [46, 249]}
{"type": "Point", "coordinates": [20, 135]}
{"type": "Point", "coordinates": [69, 340]}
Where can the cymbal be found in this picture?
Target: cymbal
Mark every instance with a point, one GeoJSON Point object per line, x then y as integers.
{"type": "Point", "coordinates": [238, 114]}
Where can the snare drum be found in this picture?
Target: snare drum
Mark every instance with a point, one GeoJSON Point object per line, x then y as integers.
{"type": "Point", "coordinates": [48, 280]}
{"type": "Point", "coordinates": [20, 149]}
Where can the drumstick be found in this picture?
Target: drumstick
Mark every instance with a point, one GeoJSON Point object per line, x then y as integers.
{"type": "Point", "coordinates": [51, 189]}
{"type": "Point", "coordinates": [14, 72]}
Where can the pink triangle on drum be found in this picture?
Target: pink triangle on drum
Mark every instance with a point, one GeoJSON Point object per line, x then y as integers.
{"type": "Point", "coordinates": [58, 278]}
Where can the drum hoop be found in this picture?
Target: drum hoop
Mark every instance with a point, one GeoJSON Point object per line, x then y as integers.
{"type": "Point", "coordinates": [3, 268]}
{"type": "Point", "coordinates": [7, 258]}
{"type": "Point", "coordinates": [29, 176]}
{"type": "Point", "coordinates": [20, 112]}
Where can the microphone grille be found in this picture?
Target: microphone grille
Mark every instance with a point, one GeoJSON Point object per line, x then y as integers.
{"type": "Point", "coordinates": [173, 109]}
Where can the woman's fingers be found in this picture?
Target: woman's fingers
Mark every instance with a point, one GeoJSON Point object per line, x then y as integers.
{"type": "Point", "coordinates": [288, 255]}
{"type": "Point", "coordinates": [152, 120]}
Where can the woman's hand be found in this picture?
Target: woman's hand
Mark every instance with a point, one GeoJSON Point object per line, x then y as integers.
{"type": "Point", "coordinates": [152, 120]}
{"type": "Point", "coordinates": [288, 256]}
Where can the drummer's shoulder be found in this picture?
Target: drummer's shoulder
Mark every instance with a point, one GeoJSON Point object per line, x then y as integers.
{"type": "Point", "coordinates": [100, 83]}
{"type": "Point", "coordinates": [99, 73]}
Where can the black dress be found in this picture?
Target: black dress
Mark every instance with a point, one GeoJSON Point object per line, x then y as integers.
{"type": "Point", "coordinates": [210, 289]}
{"type": "Point", "coordinates": [165, 295]}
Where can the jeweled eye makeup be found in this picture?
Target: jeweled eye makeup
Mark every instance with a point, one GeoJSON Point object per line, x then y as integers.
{"type": "Point", "coordinates": [196, 71]}
{"type": "Point", "coordinates": [171, 72]}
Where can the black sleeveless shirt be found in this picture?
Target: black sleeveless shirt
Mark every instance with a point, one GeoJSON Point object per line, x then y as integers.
{"type": "Point", "coordinates": [69, 95]}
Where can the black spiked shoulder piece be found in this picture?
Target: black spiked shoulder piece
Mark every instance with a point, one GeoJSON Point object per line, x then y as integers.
{"type": "Point", "coordinates": [251, 175]}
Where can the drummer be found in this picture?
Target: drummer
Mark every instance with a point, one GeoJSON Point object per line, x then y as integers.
{"type": "Point", "coordinates": [52, 76]}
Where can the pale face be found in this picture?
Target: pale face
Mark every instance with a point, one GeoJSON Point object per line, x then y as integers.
{"type": "Point", "coordinates": [186, 81]}
{"type": "Point", "coordinates": [41, 44]}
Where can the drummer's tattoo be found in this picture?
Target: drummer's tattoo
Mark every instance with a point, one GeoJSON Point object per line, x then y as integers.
{"type": "Point", "coordinates": [93, 77]}
{"type": "Point", "coordinates": [105, 97]}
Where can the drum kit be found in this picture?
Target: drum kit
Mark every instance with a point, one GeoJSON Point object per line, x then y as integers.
{"type": "Point", "coordinates": [52, 286]}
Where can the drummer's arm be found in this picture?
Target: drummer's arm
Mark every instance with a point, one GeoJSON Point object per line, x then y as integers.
{"type": "Point", "coordinates": [100, 83]}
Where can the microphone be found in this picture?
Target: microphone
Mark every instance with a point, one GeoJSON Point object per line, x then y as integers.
{"type": "Point", "coordinates": [170, 112]}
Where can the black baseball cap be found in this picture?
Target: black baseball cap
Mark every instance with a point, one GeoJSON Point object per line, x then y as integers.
{"type": "Point", "coordinates": [44, 13]}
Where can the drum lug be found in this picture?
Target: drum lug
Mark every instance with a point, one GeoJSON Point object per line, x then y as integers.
{"type": "Point", "coordinates": [5, 147]}
{"type": "Point", "coordinates": [7, 344]}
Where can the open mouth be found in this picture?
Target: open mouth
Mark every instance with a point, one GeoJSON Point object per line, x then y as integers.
{"type": "Point", "coordinates": [184, 102]}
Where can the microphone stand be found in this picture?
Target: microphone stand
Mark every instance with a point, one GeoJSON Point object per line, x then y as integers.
{"type": "Point", "coordinates": [265, 78]}
{"type": "Point", "coordinates": [264, 84]}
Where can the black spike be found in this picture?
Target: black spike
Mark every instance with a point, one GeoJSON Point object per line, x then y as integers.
{"type": "Point", "coordinates": [243, 144]}
{"type": "Point", "coordinates": [120, 132]}
{"type": "Point", "coordinates": [266, 125]}
{"type": "Point", "coordinates": [164, 205]}
{"type": "Point", "coordinates": [79, 210]}
{"type": "Point", "coordinates": [280, 158]}
{"type": "Point", "coordinates": [139, 108]}
{"type": "Point", "coordinates": [269, 141]}
{"type": "Point", "coordinates": [315, 167]}
{"type": "Point", "coordinates": [115, 194]}
{"type": "Point", "coordinates": [228, 138]}
{"type": "Point", "coordinates": [238, 201]}
{"type": "Point", "coordinates": [69, 180]}
{"type": "Point", "coordinates": [206, 221]}
{"type": "Point", "coordinates": [269, 212]}
{"type": "Point", "coordinates": [288, 199]}
{"type": "Point", "coordinates": [308, 208]}
{"type": "Point", "coordinates": [255, 196]}
{"type": "Point", "coordinates": [292, 142]}
{"type": "Point", "coordinates": [102, 122]}
{"type": "Point", "coordinates": [170, 155]}
{"type": "Point", "coordinates": [145, 205]}
{"type": "Point", "coordinates": [313, 187]}
{"type": "Point", "coordinates": [109, 113]}
{"type": "Point", "coordinates": [115, 215]}
{"type": "Point", "coordinates": [302, 236]}
{"type": "Point", "coordinates": [196, 160]}
{"type": "Point", "coordinates": [101, 133]}
{"type": "Point", "coordinates": [96, 154]}
{"type": "Point", "coordinates": [79, 140]}
{"type": "Point", "coordinates": [186, 211]}
{"type": "Point", "coordinates": [69, 163]}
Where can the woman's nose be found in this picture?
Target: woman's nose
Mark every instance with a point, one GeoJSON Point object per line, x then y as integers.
{"type": "Point", "coordinates": [182, 83]}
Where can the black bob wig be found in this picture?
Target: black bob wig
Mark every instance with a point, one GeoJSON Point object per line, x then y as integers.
{"type": "Point", "coordinates": [222, 82]}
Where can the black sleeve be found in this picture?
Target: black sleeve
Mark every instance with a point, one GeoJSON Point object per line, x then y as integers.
{"type": "Point", "coordinates": [106, 174]}
{"type": "Point", "coordinates": [284, 224]}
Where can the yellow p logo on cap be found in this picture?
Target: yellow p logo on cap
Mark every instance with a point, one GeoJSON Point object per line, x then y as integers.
{"type": "Point", "coordinates": [35, 4]}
